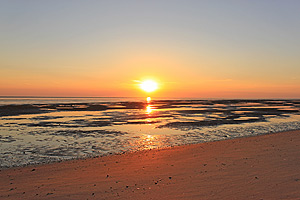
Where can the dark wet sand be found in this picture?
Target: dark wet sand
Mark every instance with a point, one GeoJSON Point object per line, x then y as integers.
{"type": "Point", "coordinates": [261, 167]}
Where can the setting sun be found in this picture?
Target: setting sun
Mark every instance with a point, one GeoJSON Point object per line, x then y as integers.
{"type": "Point", "coordinates": [149, 86]}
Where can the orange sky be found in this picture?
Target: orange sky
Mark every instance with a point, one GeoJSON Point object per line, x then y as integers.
{"type": "Point", "coordinates": [193, 50]}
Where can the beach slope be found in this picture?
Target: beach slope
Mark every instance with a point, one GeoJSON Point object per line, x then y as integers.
{"type": "Point", "coordinates": [260, 167]}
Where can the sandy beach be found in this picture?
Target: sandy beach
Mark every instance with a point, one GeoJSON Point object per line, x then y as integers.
{"type": "Point", "coordinates": [260, 167]}
{"type": "Point", "coordinates": [139, 100]}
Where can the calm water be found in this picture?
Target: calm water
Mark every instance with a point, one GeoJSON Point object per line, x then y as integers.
{"type": "Point", "coordinates": [60, 100]}
{"type": "Point", "coordinates": [39, 130]}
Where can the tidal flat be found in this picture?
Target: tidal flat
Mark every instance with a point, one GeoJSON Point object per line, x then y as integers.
{"type": "Point", "coordinates": [45, 132]}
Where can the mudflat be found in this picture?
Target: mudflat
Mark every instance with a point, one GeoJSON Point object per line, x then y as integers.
{"type": "Point", "coordinates": [259, 167]}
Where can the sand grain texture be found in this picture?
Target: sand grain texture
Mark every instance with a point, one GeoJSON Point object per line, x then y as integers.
{"type": "Point", "coordinates": [261, 167]}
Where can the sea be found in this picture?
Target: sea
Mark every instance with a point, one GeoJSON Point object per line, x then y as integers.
{"type": "Point", "coordinates": [36, 130]}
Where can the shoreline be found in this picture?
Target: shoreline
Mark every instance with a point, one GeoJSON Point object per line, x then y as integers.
{"type": "Point", "coordinates": [43, 133]}
{"type": "Point", "coordinates": [135, 151]}
{"type": "Point", "coordinates": [253, 167]}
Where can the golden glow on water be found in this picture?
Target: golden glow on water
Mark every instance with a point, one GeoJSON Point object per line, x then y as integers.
{"type": "Point", "coordinates": [150, 141]}
{"type": "Point", "coordinates": [136, 129]}
{"type": "Point", "coordinates": [148, 99]}
{"type": "Point", "coordinates": [149, 109]}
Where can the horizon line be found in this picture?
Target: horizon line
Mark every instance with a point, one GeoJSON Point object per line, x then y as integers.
{"type": "Point", "coordinates": [193, 98]}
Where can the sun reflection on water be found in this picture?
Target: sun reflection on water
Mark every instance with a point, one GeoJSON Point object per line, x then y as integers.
{"type": "Point", "coordinates": [148, 99]}
{"type": "Point", "coordinates": [150, 142]}
{"type": "Point", "coordinates": [149, 109]}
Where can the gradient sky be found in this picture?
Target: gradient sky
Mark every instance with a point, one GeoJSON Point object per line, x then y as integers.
{"type": "Point", "coordinates": [198, 49]}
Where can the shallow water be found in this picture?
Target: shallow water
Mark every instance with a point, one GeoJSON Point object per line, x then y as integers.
{"type": "Point", "coordinates": [46, 131]}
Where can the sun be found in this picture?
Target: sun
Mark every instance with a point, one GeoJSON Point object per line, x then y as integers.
{"type": "Point", "coordinates": [149, 86]}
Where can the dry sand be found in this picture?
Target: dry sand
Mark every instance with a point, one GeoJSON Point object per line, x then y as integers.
{"type": "Point", "coordinates": [261, 167]}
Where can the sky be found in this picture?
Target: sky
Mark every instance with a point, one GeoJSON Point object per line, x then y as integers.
{"type": "Point", "coordinates": [192, 48]}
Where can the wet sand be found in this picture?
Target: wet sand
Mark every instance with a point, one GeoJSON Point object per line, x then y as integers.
{"type": "Point", "coordinates": [260, 167]}
{"type": "Point", "coordinates": [43, 132]}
